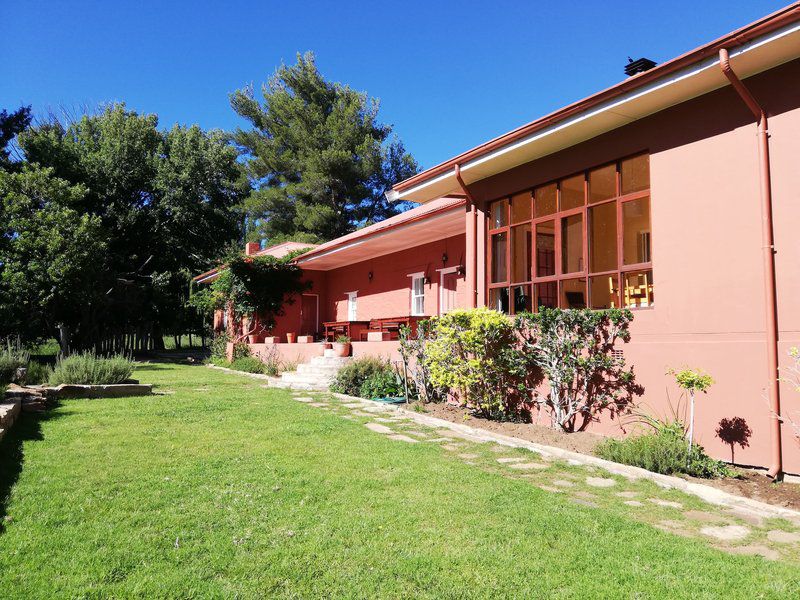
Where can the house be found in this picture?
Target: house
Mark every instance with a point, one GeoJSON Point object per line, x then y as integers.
{"type": "Point", "coordinates": [670, 193]}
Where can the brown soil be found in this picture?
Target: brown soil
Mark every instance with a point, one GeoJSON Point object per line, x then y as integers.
{"type": "Point", "coordinates": [750, 484]}
{"type": "Point", "coordinates": [756, 485]}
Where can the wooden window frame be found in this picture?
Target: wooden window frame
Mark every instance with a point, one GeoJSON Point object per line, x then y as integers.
{"type": "Point", "coordinates": [557, 217]}
{"type": "Point", "coordinates": [416, 277]}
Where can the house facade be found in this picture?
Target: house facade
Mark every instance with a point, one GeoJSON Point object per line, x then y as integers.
{"type": "Point", "coordinates": [670, 194]}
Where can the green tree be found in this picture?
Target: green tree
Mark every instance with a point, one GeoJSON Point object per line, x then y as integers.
{"type": "Point", "coordinates": [166, 202]}
{"type": "Point", "coordinates": [53, 257]}
{"type": "Point", "coordinates": [11, 125]}
{"type": "Point", "coordinates": [318, 156]}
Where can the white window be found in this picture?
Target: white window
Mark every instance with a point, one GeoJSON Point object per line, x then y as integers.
{"type": "Point", "coordinates": [351, 306]}
{"type": "Point", "coordinates": [418, 294]}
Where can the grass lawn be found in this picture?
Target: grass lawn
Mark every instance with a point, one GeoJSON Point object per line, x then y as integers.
{"type": "Point", "coordinates": [221, 488]}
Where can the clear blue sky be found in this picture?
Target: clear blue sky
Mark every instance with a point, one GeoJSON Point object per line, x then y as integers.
{"type": "Point", "coordinates": [450, 75]}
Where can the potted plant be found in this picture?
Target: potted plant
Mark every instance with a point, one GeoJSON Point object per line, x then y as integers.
{"type": "Point", "coordinates": [256, 335]}
{"type": "Point", "coordinates": [290, 338]}
{"type": "Point", "coordinates": [341, 345]}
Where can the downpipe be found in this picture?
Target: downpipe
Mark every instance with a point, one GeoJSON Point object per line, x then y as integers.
{"type": "Point", "coordinates": [775, 471]}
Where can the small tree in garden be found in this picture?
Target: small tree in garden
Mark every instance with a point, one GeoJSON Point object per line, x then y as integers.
{"type": "Point", "coordinates": [474, 353]}
{"type": "Point", "coordinates": [412, 350]}
{"type": "Point", "coordinates": [691, 381]}
{"type": "Point", "coordinates": [574, 350]}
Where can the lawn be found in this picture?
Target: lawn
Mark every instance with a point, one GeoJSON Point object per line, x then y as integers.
{"type": "Point", "coordinates": [222, 488]}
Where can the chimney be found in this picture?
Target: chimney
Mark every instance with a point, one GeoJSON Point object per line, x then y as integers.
{"type": "Point", "coordinates": [251, 248]}
{"type": "Point", "coordinates": [638, 66]}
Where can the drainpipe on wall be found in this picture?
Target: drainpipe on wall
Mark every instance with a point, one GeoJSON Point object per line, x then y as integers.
{"type": "Point", "coordinates": [768, 250]}
{"type": "Point", "coordinates": [472, 239]}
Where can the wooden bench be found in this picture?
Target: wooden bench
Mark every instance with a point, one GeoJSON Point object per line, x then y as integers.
{"type": "Point", "coordinates": [391, 326]}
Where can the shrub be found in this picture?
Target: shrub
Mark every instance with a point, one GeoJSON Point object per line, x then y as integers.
{"type": "Point", "coordinates": [87, 368]}
{"type": "Point", "coordinates": [38, 373]}
{"type": "Point", "coordinates": [412, 350]}
{"type": "Point", "coordinates": [574, 350]}
{"type": "Point", "coordinates": [352, 376]}
{"type": "Point", "coordinates": [381, 384]}
{"type": "Point", "coordinates": [13, 356]}
{"type": "Point", "coordinates": [663, 451]}
{"type": "Point", "coordinates": [219, 347]}
{"type": "Point", "coordinates": [248, 364]}
{"type": "Point", "coordinates": [474, 352]}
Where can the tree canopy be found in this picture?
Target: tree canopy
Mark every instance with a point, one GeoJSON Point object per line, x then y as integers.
{"type": "Point", "coordinates": [108, 220]}
{"type": "Point", "coordinates": [317, 155]}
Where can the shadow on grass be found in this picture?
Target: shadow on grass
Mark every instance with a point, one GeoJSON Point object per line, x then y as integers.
{"type": "Point", "coordinates": [28, 427]}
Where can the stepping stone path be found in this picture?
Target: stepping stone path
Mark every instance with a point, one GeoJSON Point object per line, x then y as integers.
{"type": "Point", "coordinates": [783, 537]}
{"type": "Point", "coordinates": [728, 533]}
{"type": "Point", "coordinates": [666, 503]}
{"type": "Point", "coordinates": [527, 465]}
{"type": "Point", "coordinates": [600, 482]}
{"type": "Point", "coordinates": [719, 524]}
{"type": "Point", "coordinates": [417, 434]}
{"type": "Point", "coordinates": [583, 502]}
{"type": "Point", "coordinates": [378, 428]}
{"type": "Point", "coordinates": [403, 438]}
{"type": "Point", "coordinates": [754, 550]}
{"type": "Point", "coordinates": [701, 515]}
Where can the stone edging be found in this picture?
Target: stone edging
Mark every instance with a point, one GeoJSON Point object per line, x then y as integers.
{"type": "Point", "coordinates": [9, 411]}
{"type": "Point", "coordinates": [260, 376]}
{"type": "Point", "coordinates": [710, 494]}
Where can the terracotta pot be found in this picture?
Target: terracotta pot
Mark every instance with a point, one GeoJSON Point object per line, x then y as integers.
{"type": "Point", "coordinates": [290, 338]}
{"type": "Point", "coordinates": [341, 349]}
{"type": "Point", "coordinates": [255, 338]}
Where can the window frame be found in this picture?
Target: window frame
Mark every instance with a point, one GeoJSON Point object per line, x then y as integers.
{"type": "Point", "coordinates": [412, 296]}
{"type": "Point", "coordinates": [352, 301]}
{"type": "Point", "coordinates": [557, 217]}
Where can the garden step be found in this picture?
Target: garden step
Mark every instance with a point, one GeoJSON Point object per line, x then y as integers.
{"type": "Point", "coordinates": [330, 360]}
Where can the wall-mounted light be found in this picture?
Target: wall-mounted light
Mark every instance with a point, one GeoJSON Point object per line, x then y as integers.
{"type": "Point", "coordinates": [460, 270]}
{"type": "Point", "coordinates": [369, 275]}
{"type": "Point", "coordinates": [444, 258]}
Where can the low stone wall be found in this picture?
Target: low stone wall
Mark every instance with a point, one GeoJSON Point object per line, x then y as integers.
{"type": "Point", "coordinates": [9, 411]}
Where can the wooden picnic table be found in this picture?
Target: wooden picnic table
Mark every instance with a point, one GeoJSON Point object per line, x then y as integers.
{"type": "Point", "coordinates": [351, 329]}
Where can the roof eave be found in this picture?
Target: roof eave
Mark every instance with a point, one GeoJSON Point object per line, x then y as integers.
{"type": "Point", "coordinates": [440, 179]}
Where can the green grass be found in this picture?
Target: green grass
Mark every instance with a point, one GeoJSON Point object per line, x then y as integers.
{"type": "Point", "coordinates": [222, 488]}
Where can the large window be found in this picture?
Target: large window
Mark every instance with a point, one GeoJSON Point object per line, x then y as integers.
{"type": "Point", "coordinates": [581, 241]}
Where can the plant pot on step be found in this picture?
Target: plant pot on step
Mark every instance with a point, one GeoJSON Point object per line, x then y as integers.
{"type": "Point", "coordinates": [341, 346]}
{"type": "Point", "coordinates": [255, 338]}
{"type": "Point", "coordinates": [291, 338]}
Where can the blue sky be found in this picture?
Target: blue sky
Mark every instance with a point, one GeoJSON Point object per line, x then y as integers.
{"type": "Point", "coordinates": [450, 75]}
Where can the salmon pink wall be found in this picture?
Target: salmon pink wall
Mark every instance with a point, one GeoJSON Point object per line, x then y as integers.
{"type": "Point", "coordinates": [291, 321]}
{"type": "Point", "coordinates": [388, 293]}
{"type": "Point", "coordinates": [708, 283]}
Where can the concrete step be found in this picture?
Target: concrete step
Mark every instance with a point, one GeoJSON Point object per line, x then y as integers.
{"type": "Point", "coordinates": [330, 360]}
{"type": "Point", "coordinates": [294, 377]}
{"type": "Point", "coordinates": [318, 369]}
